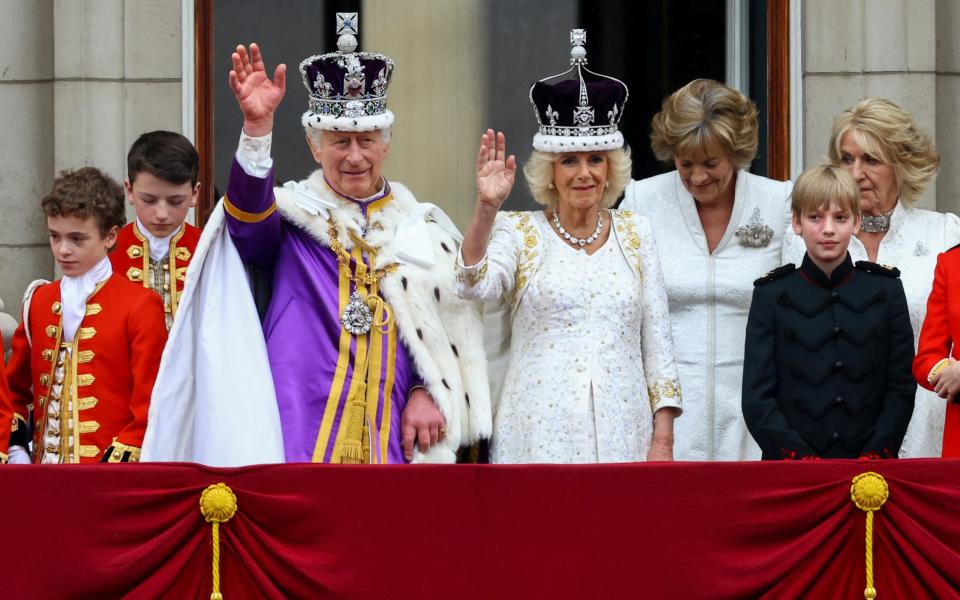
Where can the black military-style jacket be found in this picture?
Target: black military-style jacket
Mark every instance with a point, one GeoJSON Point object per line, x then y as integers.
{"type": "Point", "coordinates": [827, 362]}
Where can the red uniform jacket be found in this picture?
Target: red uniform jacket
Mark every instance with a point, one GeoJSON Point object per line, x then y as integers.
{"type": "Point", "coordinates": [939, 337]}
{"type": "Point", "coordinates": [131, 259]}
{"type": "Point", "coordinates": [117, 347]}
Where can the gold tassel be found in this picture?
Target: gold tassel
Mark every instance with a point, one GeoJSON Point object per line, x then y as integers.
{"type": "Point", "coordinates": [351, 453]}
{"type": "Point", "coordinates": [351, 447]}
{"type": "Point", "coordinates": [365, 444]}
{"type": "Point", "coordinates": [869, 491]}
{"type": "Point", "coordinates": [218, 504]}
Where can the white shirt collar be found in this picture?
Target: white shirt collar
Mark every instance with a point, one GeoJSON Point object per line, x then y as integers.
{"type": "Point", "coordinates": [159, 247]}
{"type": "Point", "coordinates": [74, 292]}
{"type": "Point", "coordinates": [379, 192]}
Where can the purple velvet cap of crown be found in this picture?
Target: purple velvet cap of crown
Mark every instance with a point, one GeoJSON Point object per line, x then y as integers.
{"type": "Point", "coordinates": [578, 110]}
{"type": "Point", "coordinates": [323, 69]}
{"type": "Point", "coordinates": [348, 91]}
{"type": "Point", "coordinates": [567, 124]}
{"type": "Point", "coordinates": [564, 97]}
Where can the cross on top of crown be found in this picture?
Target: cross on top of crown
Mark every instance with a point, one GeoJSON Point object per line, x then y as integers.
{"type": "Point", "coordinates": [578, 39]}
{"type": "Point", "coordinates": [348, 23]}
{"type": "Point", "coordinates": [348, 27]}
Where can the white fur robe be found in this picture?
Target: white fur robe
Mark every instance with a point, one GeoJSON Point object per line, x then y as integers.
{"type": "Point", "coordinates": [214, 401]}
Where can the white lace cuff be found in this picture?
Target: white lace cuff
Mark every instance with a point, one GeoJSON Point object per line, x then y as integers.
{"type": "Point", "coordinates": [253, 154]}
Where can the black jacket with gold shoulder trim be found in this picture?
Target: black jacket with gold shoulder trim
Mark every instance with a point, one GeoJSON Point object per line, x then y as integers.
{"type": "Point", "coordinates": [827, 362]}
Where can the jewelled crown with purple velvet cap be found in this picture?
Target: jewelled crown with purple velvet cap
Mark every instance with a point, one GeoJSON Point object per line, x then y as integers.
{"type": "Point", "coordinates": [348, 89]}
{"type": "Point", "coordinates": [578, 114]}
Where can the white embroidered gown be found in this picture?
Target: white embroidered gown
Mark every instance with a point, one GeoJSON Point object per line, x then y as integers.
{"type": "Point", "coordinates": [588, 340]}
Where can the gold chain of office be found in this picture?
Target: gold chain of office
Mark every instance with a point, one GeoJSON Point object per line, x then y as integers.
{"type": "Point", "coordinates": [344, 259]}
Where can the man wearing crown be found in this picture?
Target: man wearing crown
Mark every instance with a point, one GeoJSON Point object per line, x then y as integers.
{"type": "Point", "coordinates": [373, 357]}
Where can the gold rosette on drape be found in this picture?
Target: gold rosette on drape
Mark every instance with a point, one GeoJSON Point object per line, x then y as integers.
{"type": "Point", "coordinates": [218, 504]}
{"type": "Point", "coordinates": [869, 491]}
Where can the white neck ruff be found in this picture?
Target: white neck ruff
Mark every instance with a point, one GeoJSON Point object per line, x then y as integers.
{"type": "Point", "coordinates": [159, 247]}
{"type": "Point", "coordinates": [74, 292]}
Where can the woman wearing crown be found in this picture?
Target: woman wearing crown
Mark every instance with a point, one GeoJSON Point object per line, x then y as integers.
{"type": "Point", "coordinates": [591, 374]}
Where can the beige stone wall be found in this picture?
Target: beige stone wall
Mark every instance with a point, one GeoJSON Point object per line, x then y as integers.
{"type": "Point", "coordinates": [904, 50]}
{"type": "Point", "coordinates": [26, 95]}
{"type": "Point", "coordinates": [79, 81]}
{"type": "Point", "coordinates": [440, 110]}
{"type": "Point", "coordinates": [118, 71]}
{"type": "Point", "coordinates": [948, 104]}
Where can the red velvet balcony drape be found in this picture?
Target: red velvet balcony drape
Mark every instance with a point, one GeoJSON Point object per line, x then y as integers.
{"type": "Point", "coordinates": [685, 530]}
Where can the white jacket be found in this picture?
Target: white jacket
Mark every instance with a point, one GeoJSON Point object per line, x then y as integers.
{"type": "Point", "coordinates": [709, 297]}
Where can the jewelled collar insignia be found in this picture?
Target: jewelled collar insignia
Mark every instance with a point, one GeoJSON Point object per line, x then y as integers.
{"type": "Point", "coordinates": [876, 223]}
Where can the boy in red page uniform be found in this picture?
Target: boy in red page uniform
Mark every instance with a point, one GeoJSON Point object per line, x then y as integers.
{"type": "Point", "coordinates": [935, 366]}
{"type": "Point", "coordinates": [86, 355]}
{"type": "Point", "coordinates": [155, 250]}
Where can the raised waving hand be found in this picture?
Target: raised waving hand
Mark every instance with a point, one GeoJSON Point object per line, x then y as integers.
{"type": "Point", "coordinates": [495, 171]}
{"type": "Point", "coordinates": [256, 94]}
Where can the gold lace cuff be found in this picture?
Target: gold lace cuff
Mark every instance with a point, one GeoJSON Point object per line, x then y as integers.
{"type": "Point", "coordinates": [15, 425]}
{"type": "Point", "coordinates": [117, 452]}
{"type": "Point", "coordinates": [471, 276]}
{"type": "Point", "coordinates": [244, 216]}
{"type": "Point", "coordinates": [666, 392]}
{"type": "Point", "coordinates": [937, 368]}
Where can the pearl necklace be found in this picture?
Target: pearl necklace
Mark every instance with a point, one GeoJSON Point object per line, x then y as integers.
{"type": "Point", "coordinates": [581, 242]}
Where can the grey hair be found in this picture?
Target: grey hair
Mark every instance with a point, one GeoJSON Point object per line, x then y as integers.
{"type": "Point", "coordinates": [316, 135]}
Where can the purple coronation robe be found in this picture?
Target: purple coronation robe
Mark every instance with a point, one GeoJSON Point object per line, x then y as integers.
{"type": "Point", "coordinates": [312, 357]}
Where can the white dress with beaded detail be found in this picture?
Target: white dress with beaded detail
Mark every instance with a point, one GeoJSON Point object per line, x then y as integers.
{"type": "Point", "coordinates": [590, 342]}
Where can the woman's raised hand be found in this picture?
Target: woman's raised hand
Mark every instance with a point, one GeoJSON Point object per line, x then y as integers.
{"type": "Point", "coordinates": [257, 96]}
{"type": "Point", "coordinates": [495, 172]}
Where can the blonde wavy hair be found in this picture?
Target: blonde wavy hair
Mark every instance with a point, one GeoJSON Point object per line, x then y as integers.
{"type": "Point", "coordinates": [820, 186]}
{"type": "Point", "coordinates": [890, 134]}
{"type": "Point", "coordinates": [705, 115]}
{"type": "Point", "coordinates": [539, 175]}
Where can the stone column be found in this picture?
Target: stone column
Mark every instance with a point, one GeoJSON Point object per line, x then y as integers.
{"type": "Point", "coordinates": [26, 95]}
{"type": "Point", "coordinates": [118, 72]}
{"type": "Point", "coordinates": [79, 81]}
{"type": "Point", "coordinates": [948, 104]}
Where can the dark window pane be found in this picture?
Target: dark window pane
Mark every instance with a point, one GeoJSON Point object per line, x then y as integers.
{"type": "Point", "coordinates": [655, 47]}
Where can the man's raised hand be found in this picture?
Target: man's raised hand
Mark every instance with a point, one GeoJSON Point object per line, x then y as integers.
{"type": "Point", "coordinates": [256, 94]}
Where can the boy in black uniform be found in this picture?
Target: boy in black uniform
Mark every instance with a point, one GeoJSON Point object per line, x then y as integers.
{"type": "Point", "coordinates": [829, 346]}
